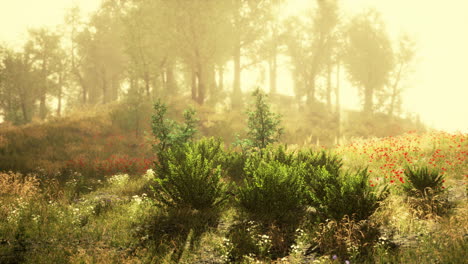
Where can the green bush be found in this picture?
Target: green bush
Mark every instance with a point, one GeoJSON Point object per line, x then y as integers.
{"type": "Point", "coordinates": [269, 154]}
{"type": "Point", "coordinates": [423, 181]}
{"type": "Point", "coordinates": [273, 192]}
{"type": "Point", "coordinates": [170, 135]}
{"type": "Point", "coordinates": [337, 195]}
{"type": "Point", "coordinates": [233, 165]}
{"type": "Point", "coordinates": [273, 196]}
{"type": "Point", "coordinates": [313, 160]}
{"type": "Point", "coordinates": [193, 177]}
{"type": "Point", "coordinates": [425, 192]}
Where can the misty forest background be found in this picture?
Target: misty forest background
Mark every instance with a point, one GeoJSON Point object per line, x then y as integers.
{"type": "Point", "coordinates": [130, 53]}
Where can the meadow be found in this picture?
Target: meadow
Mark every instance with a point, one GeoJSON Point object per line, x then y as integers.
{"type": "Point", "coordinates": [101, 197]}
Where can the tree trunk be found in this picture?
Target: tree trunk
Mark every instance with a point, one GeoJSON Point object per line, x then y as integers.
{"type": "Point", "coordinates": [201, 85]}
{"type": "Point", "coordinates": [42, 106]}
{"type": "Point", "coordinates": [338, 105]}
{"type": "Point", "coordinates": [329, 86]}
{"type": "Point", "coordinates": [147, 84]}
{"type": "Point", "coordinates": [194, 84]}
{"type": "Point", "coordinates": [105, 88]}
{"type": "Point", "coordinates": [368, 100]}
{"type": "Point", "coordinates": [42, 98]}
{"type": "Point", "coordinates": [59, 103]}
{"type": "Point", "coordinates": [311, 91]}
{"type": "Point", "coordinates": [273, 61]}
{"type": "Point", "coordinates": [273, 68]}
{"type": "Point", "coordinates": [237, 93]}
{"type": "Point", "coordinates": [395, 92]}
{"type": "Point", "coordinates": [212, 87]}
{"type": "Point", "coordinates": [170, 79]}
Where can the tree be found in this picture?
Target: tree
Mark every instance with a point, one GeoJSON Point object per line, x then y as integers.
{"type": "Point", "coordinates": [264, 125]}
{"type": "Point", "coordinates": [44, 47]}
{"type": "Point", "coordinates": [79, 39]}
{"type": "Point", "coordinates": [248, 21]}
{"type": "Point", "coordinates": [404, 58]}
{"type": "Point", "coordinates": [107, 57]}
{"type": "Point", "coordinates": [369, 56]}
{"type": "Point", "coordinates": [311, 43]}
{"type": "Point", "coordinates": [203, 34]}
{"type": "Point", "coordinates": [18, 90]}
{"type": "Point", "coordinates": [150, 47]}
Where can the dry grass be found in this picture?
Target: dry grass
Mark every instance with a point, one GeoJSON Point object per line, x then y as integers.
{"type": "Point", "coordinates": [16, 184]}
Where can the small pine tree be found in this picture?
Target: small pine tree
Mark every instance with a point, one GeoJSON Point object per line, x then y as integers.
{"type": "Point", "coordinates": [264, 126]}
{"type": "Point", "coordinates": [168, 132]}
{"type": "Point", "coordinates": [170, 135]}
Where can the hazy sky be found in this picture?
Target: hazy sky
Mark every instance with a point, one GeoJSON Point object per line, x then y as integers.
{"type": "Point", "coordinates": [439, 87]}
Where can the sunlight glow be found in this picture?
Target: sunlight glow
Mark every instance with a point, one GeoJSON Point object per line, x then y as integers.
{"type": "Point", "coordinates": [437, 91]}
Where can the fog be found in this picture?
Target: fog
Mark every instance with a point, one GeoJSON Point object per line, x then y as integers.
{"type": "Point", "coordinates": [434, 87]}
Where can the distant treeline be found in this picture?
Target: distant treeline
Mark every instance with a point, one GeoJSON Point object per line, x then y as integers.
{"type": "Point", "coordinates": [131, 51]}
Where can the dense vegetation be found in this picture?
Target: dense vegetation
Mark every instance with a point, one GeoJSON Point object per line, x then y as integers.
{"type": "Point", "coordinates": [124, 140]}
{"type": "Point", "coordinates": [395, 199]}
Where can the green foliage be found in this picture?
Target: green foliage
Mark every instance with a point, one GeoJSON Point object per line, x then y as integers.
{"type": "Point", "coordinates": [263, 125]}
{"type": "Point", "coordinates": [274, 192]}
{"type": "Point", "coordinates": [330, 162]}
{"type": "Point", "coordinates": [246, 240]}
{"type": "Point", "coordinates": [335, 196]}
{"type": "Point", "coordinates": [170, 133]}
{"type": "Point", "coordinates": [425, 191]}
{"type": "Point", "coordinates": [193, 176]}
{"type": "Point", "coordinates": [422, 181]}
{"type": "Point", "coordinates": [233, 165]}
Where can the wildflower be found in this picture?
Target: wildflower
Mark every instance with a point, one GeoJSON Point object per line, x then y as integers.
{"type": "Point", "coordinates": [346, 262]}
{"type": "Point", "coordinates": [334, 257]}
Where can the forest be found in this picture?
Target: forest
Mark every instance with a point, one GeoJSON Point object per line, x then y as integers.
{"type": "Point", "coordinates": [158, 131]}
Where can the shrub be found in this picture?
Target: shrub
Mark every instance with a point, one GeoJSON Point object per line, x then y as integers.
{"type": "Point", "coordinates": [330, 162]}
{"type": "Point", "coordinates": [193, 177]}
{"type": "Point", "coordinates": [233, 165]}
{"type": "Point", "coordinates": [423, 181]}
{"type": "Point", "coordinates": [346, 238]}
{"type": "Point", "coordinates": [274, 192]}
{"type": "Point", "coordinates": [170, 134]}
{"type": "Point", "coordinates": [269, 154]}
{"type": "Point", "coordinates": [425, 190]}
{"type": "Point", "coordinates": [335, 196]}
{"type": "Point", "coordinates": [263, 125]}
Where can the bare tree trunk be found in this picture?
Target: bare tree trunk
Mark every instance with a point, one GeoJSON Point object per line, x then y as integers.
{"type": "Point", "coordinates": [170, 78]}
{"type": "Point", "coordinates": [147, 84]}
{"type": "Point", "coordinates": [201, 85]}
{"type": "Point", "coordinates": [105, 88]}
{"type": "Point", "coordinates": [311, 91]}
{"type": "Point", "coordinates": [329, 86]}
{"type": "Point", "coordinates": [338, 106]}
{"type": "Point", "coordinates": [395, 92]}
{"type": "Point", "coordinates": [237, 93]}
{"type": "Point", "coordinates": [368, 100]}
{"type": "Point", "coordinates": [273, 62]}
{"type": "Point", "coordinates": [59, 104]}
{"type": "Point", "coordinates": [194, 84]}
